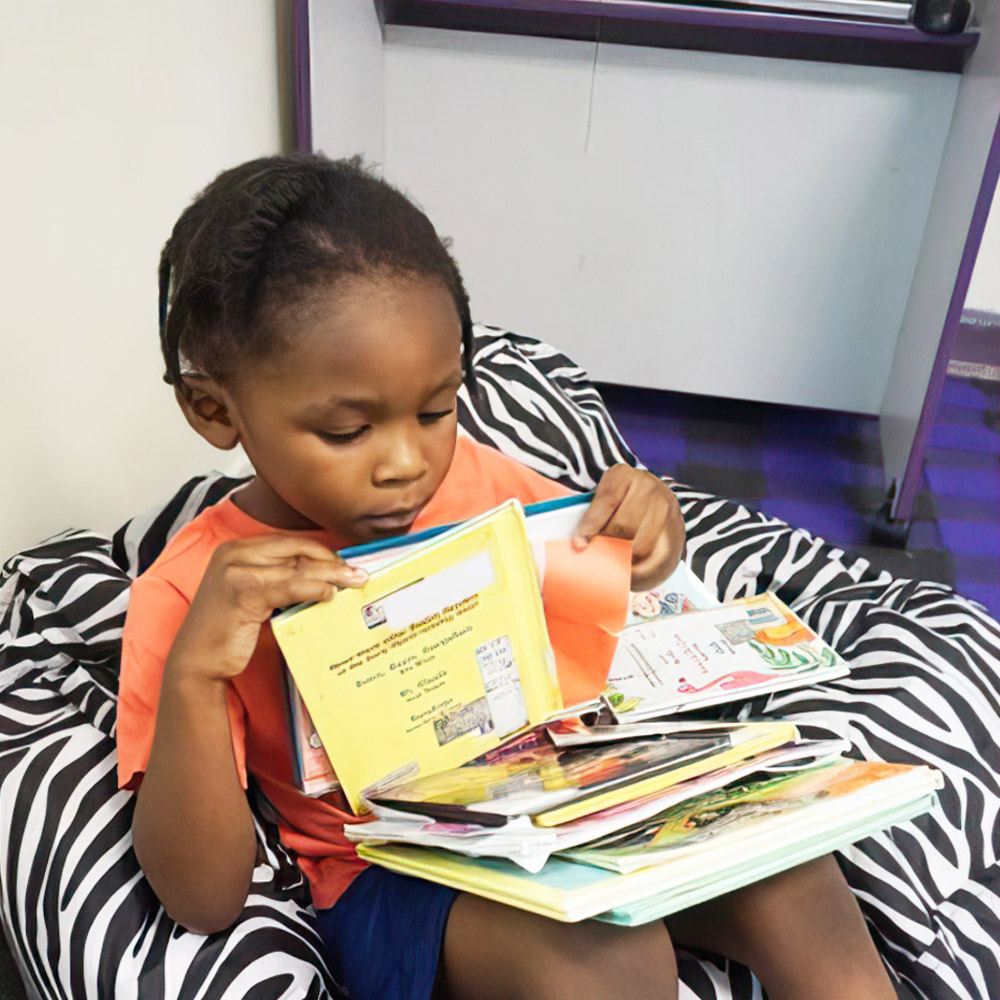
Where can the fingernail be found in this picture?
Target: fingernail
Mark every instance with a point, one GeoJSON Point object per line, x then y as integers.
{"type": "Point", "coordinates": [580, 542]}
{"type": "Point", "coordinates": [359, 574]}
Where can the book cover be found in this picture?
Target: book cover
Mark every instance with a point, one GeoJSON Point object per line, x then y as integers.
{"type": "Point", "coordinates": [737, 810]}
{"type": "Point", "coordinates": [440, 656]}
{"type": "Point", "coordinates": [464, 599]}
{"type": "Point", "coordinates": [542, 778]}
{"type": "Point", "coordinates": [738, 650]}
{"type": "Point", "coordinates": [314, 773]}
{"type": "Point", "coordinates": [752, 739]}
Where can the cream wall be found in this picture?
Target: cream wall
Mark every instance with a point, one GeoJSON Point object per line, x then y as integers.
{"type": "Point", "coordinates": [984, 289]}
{"type": "Point", "coordinates": [113, 114]}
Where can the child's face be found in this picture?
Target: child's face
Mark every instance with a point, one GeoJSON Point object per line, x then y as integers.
{"type": "Point", "coordinates": [352, 428]}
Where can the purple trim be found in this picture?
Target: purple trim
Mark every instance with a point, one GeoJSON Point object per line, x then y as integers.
{"type": "Point", "coordinates": [635, 22]}
{"type": "Point", "coordinates": [300, 69]}
{"type": "Point", "coordinates": [907, 488]}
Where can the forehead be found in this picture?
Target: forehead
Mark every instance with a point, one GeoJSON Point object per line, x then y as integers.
{"type": "Point", "coordinates": [368, 336]}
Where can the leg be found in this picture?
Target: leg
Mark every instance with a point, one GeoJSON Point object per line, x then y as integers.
{"type": "Point", "coordinates": [801, 932]}
{"type": "Point", "coordinates": [493, 951]}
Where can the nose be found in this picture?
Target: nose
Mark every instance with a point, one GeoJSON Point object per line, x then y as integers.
{"type": "Point", "coordinates": [402, 459]}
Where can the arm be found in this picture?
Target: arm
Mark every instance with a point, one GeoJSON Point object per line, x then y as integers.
{"type": "Point", "coordinates": [192, 828]}
{"type": "Point", "coordinates": [632, 503]}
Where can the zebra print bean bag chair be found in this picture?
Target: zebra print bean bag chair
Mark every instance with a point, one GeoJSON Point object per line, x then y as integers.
{"type": "Point", "coordinates": [925, 687]}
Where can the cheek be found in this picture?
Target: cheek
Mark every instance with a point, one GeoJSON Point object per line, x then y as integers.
{"type": "Point", "coordinates": [444, 447]}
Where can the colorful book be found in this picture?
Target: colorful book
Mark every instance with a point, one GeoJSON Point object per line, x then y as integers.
{"type": "Point", "coordinates": [738, 650]}
{"type": "Point", "coordinates": [556, 786]}
{"type": "Point", "coordinates": [802, 799]}
{"type": "Point", "coordinates": [546, 523]}
{"type": "Point", "coordinates": [865, 798]}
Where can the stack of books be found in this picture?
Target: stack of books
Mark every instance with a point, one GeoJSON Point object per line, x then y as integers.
{"type": "Point", "coordinates": [438, 691]}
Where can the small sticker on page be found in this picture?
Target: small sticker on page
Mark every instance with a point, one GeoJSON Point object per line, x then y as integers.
{"type": "Point", "coordinates": [503, 685]}
{"type": "Point", "coordinates": [373, 614]}
{"type": "Point", "coordinates": [736, 632]}
{"type": "Point", "coordinates": [466, 719]}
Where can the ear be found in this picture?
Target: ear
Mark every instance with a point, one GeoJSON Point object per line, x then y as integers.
{"type": "Point", "coordinates": [206, 407]}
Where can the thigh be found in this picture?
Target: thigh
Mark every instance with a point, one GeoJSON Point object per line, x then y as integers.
{"type": "Point", "coordinates": [495, 951]}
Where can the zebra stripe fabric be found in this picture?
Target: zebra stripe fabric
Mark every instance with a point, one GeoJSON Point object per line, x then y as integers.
{"type": "Point", "coordinates": [925, 686]}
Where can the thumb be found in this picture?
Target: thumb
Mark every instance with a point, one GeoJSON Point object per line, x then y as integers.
{"type": "Point", "coordinates": [596, 516]}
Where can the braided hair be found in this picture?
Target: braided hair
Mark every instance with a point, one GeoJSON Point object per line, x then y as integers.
{"type": "Point", "coordinates": [261, 237]}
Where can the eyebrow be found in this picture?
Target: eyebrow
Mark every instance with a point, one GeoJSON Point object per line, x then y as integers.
{"type": "Point", "coordinates": [452, 381]}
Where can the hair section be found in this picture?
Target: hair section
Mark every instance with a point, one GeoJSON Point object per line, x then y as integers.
{"type": "Point", "coordinates": [263, 236]}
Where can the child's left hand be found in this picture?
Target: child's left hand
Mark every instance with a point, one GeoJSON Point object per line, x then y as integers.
{"type": "Point", "coordinates": [633, 504]}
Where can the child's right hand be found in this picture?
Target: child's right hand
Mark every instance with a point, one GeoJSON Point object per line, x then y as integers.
{"type": "Point", "coordinates": [244, 583]}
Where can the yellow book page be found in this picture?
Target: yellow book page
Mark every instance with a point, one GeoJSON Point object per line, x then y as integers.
{"type": "Point", "coordinates": [437, 659]}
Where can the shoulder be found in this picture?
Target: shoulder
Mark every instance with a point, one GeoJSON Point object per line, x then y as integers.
{"type": "Point", "coordinates": [182, 563]}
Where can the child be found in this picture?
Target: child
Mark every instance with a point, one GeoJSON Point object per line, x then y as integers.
{"type": "Point", "coordinates": [310, 313]}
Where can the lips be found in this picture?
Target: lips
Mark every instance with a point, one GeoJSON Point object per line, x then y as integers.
{"type": "Point", "coordinates": [393, 520]}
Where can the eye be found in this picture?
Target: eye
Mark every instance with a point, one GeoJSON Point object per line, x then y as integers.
{"type": "Point", "coordinates": [433, 418]}
{"type": "Point", "coordinates": [344, 437]}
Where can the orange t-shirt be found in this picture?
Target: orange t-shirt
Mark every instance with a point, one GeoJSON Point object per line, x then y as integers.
{"type": "Point", "coordinates": [479, 478]}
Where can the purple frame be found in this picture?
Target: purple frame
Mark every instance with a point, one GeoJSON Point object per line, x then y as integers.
{"type": "Point", "coordinates": [713, 29]}
{"type": "Point", "coordinates": [907, 488]}
{"type": "Point", "coordinates": [301, 96]}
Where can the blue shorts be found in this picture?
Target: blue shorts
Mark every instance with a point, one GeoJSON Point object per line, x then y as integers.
{"type": "Point", "coordinates": [384, 935]}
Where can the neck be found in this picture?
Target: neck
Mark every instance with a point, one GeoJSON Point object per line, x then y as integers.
{"type": "Point", "coordinates": [260, 502]}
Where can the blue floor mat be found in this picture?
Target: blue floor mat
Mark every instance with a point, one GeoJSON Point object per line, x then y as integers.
{"type": "Point", "coordinates": [822, 471]}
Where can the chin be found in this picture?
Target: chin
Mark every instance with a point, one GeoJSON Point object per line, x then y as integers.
{"type": "Point", "coordinates": [376, 532]}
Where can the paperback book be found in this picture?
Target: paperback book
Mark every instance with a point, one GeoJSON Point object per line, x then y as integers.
{"type": "Point", "coordinates": [446, 650]}
{"type": "Point", "coordinates": [739, 650]}
{"type": "Point", "coordinates": [464, 636]}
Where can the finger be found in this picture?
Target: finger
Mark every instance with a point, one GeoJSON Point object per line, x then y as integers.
{"type": "Point", "coordinates": [337, 574]}
{"type": "Point", "coordinates": [609, 494]}
{"type": "Point", "coordinates": [298, 590]}
{"type": "Point", "coordinates": [276, 549]}
{"type": "Point", "coordinates": [627, 520]}
{"type": "Point", "coordinates": [297, 553]}
{"type": "Point", "coordinates": [334, 571]}
{"type": "Point", "coordinates": [259, 590]}
{"type": "Point", "coordinates": [648, 572]}
{"type": "Point", "coordinates": [650, 532]}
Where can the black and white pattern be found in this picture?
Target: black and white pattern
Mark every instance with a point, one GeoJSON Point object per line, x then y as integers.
{"type": "Point", "coordinates": [925, 686]}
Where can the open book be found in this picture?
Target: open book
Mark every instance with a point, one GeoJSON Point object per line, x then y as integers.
{"type": "Point", "coordinates": [742, 649]}
{"type": "Point", "coordinates": [445, 651]}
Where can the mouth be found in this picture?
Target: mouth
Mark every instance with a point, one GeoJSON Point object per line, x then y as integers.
{"type": "Point", "coordinates": [398, 520]}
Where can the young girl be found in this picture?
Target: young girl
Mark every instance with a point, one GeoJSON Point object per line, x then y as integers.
{"type": "Point", "coordinates": [310, 313]}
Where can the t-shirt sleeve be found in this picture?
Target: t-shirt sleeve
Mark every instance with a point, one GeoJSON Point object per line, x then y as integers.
{"type": "Point", "coordinates": [155, 614]}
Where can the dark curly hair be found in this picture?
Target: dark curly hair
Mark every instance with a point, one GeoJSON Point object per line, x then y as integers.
{"type": "Point", "coordinates": [261, 236]}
